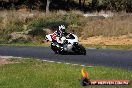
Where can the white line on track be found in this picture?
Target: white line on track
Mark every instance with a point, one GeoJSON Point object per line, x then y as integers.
{"type": "Point", "coordinates": [59, 62]}
{"type": "Point", "coordinates": [51, 61]}
{"type": "Point", "coordinates": [43, 60]}
{"type": "Point", "coordinates": [8, 57]}
{"type": "Point", "coordinates": [75, 64]}
{"type": "Point", "coordinates": [67, 63]}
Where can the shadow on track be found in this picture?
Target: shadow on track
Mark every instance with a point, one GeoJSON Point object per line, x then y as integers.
{"type": "Point", "coordinates": [71, 53]}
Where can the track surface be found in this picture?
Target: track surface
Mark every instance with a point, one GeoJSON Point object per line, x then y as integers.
{"type": "Point", "coordinates": [102, 57]}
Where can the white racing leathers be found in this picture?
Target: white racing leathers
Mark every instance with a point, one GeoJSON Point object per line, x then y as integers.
{"type": "Point", "coordinates": [60, 40]}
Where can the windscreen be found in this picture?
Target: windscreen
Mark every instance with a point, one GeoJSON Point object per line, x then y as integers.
{"type": "Point", "coordinates": [70, 36]}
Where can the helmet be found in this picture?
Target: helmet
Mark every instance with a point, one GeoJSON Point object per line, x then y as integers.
{"type": "Point", "coordinates": [62, 28]}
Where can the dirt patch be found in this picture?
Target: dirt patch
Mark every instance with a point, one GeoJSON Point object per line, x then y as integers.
{"type": "Point", "coordinates": [6, 61]}
{"type": "Point", "coordinates": [99, 40]}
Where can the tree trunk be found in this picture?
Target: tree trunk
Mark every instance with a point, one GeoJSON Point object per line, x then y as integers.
{"type": "Point", "coordinates": [94, 4]}
{"type": "Point", "coordinates": [83, 3]}
{"type": "Point", "coordinates": [80, 3]}
{"type": "Point", "coordinates": [68, 4]}
{"type": "Point", "coordinates": [47, 6]}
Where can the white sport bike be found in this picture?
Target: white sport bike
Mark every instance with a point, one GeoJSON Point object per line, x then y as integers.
{"type": "Point", "coordinates": [70, 44]}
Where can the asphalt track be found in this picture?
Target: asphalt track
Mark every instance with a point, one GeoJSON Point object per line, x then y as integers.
{"type": "Point", "coordinates": [101, 57]}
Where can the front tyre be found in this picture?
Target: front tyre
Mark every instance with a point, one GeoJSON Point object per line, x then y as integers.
{"type": "Point", "coordinates": [79, 49]}
{"type": "Point", "coordinates": [54, 48]}
{"type": "Point", "coordinates": [57, 50]}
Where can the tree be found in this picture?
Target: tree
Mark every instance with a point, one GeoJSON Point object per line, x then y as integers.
{"type": "Point", "coordinates": [80, 3]}
{"type": "Point", "coordinates": [95, 4]}
{"type": "Point", "coordinates": [83, 3]}
{"type": "Point", "coordinates": [47, 6]}
{"type": "Point", "coordinates": [128, 5]}
{"type": "Point", "coordinates": [68, 1]}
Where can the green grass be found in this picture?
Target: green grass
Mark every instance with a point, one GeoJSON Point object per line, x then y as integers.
{"type": "Point", "coordinates": [25, 44]}
{"type": "Point", "coordinates": [31, 73]}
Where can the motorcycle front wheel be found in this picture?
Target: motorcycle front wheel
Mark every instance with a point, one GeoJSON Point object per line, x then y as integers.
{"type": "Point", "coordinates": [79, 49]}
{"type": "Point", "coordinates": [55, 49]}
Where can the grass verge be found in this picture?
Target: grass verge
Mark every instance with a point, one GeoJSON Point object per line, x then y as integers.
{"type": "Point", "coordinates": [26, 44]}
{"type": "Point", "coordinates": [119, 47]}
{"type": "Point", "coordinates": [31, 73]}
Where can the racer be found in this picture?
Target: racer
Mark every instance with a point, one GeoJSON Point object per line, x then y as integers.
{"type": "Point", "coordinates": [58, 36]}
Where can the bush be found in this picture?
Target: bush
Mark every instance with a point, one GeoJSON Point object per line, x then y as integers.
{"type": "Point", "coordinates": [117, 5]}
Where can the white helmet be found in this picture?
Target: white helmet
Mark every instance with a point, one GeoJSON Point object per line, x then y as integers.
{"type": "Point", "coordinates": [62, 28]}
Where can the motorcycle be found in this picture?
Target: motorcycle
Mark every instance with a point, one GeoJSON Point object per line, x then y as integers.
{"type": "Point", "coordinates": [71, 44]}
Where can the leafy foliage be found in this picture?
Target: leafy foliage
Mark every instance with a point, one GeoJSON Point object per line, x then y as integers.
{"type": "Point", "coordinates": [117, 5]}
{"type": "Point", "coordinates": [85, 5]}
